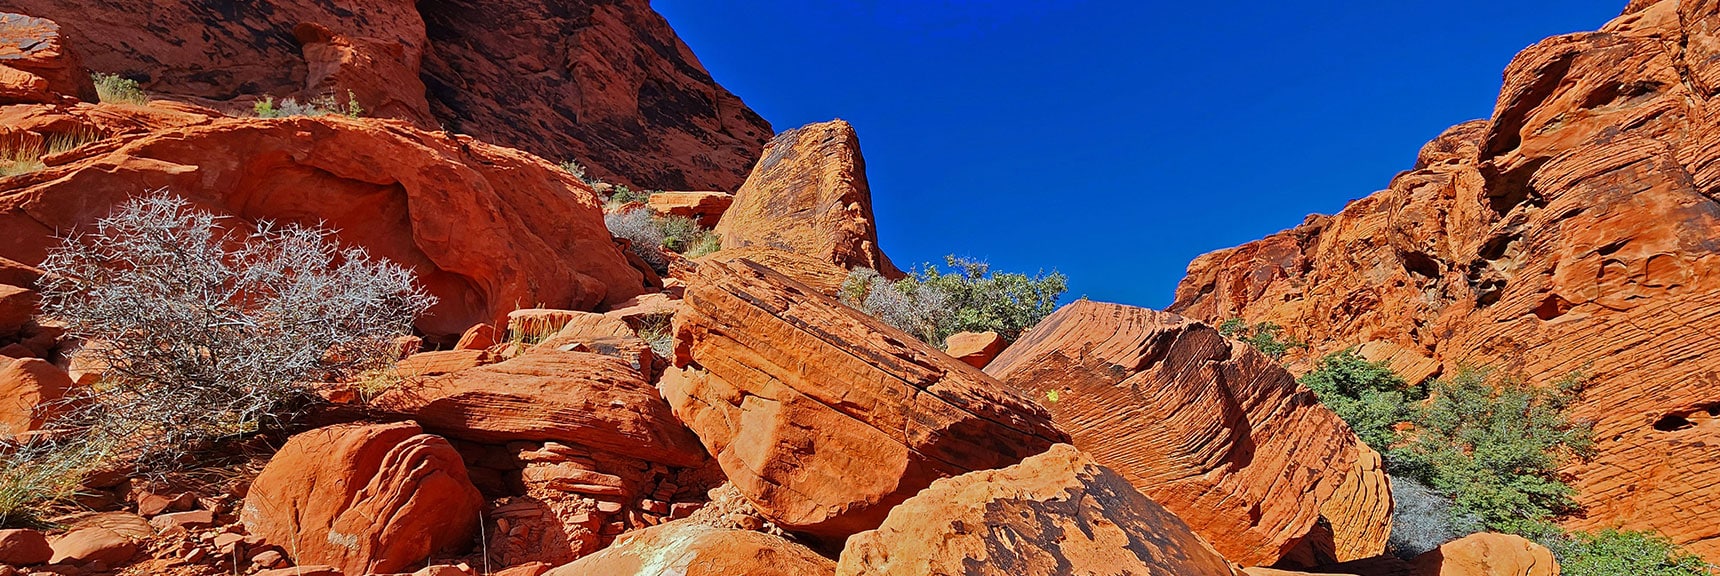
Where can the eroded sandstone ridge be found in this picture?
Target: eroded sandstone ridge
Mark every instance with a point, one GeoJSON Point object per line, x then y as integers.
{"type": "Point", "coordinates": [607, 82]}
{"type": "Point", "coordinates": [1572, 231]}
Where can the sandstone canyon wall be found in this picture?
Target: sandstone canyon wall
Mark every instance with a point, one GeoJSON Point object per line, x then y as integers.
{"type": "Point", "coordinates": [1575, 230]}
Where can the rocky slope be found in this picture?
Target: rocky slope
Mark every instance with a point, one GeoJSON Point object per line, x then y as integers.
{"type": "Point", "coordinates": [1571, 232]}
{"type": "Point", "coordinates": [603, 81]}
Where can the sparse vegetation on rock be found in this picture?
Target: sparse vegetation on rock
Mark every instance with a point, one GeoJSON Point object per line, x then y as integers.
{"type": "Point", "coordinates": [649, 234]}
{"type": "Point", "coordinates": [325, 105]}
{"type": "Point", "coordinates": [1267, 337]}
{"type": "Point", "coordinates": [932, 304]}
{"type": "Point", "coordinates": [1613, 552]}
{"type": "Point", "coordinates": [116, 89]}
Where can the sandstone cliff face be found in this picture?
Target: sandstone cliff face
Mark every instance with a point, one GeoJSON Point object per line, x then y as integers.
{"type": "Point", "coordinates": [1573, 231]}
{"type": "Point", "coordinates": [604, 81]}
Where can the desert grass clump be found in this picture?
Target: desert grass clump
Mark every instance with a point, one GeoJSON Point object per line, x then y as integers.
{"type": "Point", "coordinates": [22, 155]}
{"type": "Point", "coordinates": [325, 105]}
{"type": "Point", "coordinates": [208, 330]}
{"type": "Point", "coordinates": [658, 331]}
{"type": "Point", "coordinates": [41, 471]}
{"type": "Point", "coordinates": [116, 89]}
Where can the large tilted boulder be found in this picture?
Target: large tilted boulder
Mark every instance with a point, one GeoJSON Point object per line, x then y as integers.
{"type": "Point", "coordinates": [36, 66]}
{"type": "Point", "coordinates": [1053, 514]}
{"type": "Point", "coordinates": [1208, 427]}
{"type": "Point", "coordinates": [821, 275]}
{"type": "Point", "coordinates": [691, 548]}
{"type": "Point", "coordinates": [1571, 232]}
{"type": "Point", "coordinates": [365, 498]}
{"type": "Point", "coordinates": [485, 228]}
{"type": "Point", "coordinates": [579, 398]}
{"type": "Point", "coordinates": [1487, 554]}
{"type": "Point", "coordinates": [808, 194]}
{"type": "Point", "coordinates": [824, 417]}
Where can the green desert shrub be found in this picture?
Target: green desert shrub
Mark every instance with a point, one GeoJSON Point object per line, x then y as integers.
{"type": "Point", "coordinates": [1367, 395]}
{"type": "Point", "coordinates": [326, 105]}
{"type": "Point", "coordinates": [115, 89]}
{"type": "Point", "coordinates": [1266, 337]}
{"type": "Point", "coordinates": [650, 234]}
{"type": "Point", "coordinates": [1613, 552]}
{"type": "Point", "coordinates": [931, 304]}
{"type": "Point", "coordinates": [1494, 443]}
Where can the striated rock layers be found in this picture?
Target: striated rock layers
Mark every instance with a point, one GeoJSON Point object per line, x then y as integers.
{"type": "Point", "coordinates": [824, 417]}
{"type": "Point", "coordinates": [606, 82]}
{"type": "Point", "coordinates": [1208, 427]}
{"type": "Point", "coordinates": [448, 207]}
{"type": "Point", "coordinates": [1573, 231]}
{"type": "Point", "coordinates": [808, 195]}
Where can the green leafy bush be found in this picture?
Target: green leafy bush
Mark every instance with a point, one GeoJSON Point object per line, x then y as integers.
{"type": "Point", "coordinates": [115, 89]}
{"type": "Point", "coordinates": [1367, 395]}
{"type": "Point", "coordinates": [322, 106]}
{"type": "Point", "coordinates": [1613, 552]}
{"type": "Point", "coordinates": [1266, 337]}
{"type": "Point", "coordinates": [931, 304]}
{"type": "Point", "coordinates": [1494, 444]}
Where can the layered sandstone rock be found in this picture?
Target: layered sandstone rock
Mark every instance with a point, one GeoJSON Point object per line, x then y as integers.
{"type": "Point", "coordinates": [29, 388]}
{"type": "Point", "coordinates": [1208, 427]}
{"type": "Point", "coordinates": [975, 348]}
{"type": "Point", "coordinates": [413, 197]}
{"type": "Point", "coordinates": [1055, 513]}
{"type": "Point", "coordinates": [368, 499]}
{"type": "Point", "coordinates": [692, 548]}
{"type": "Point", "coordinates": [549, 395]}
{"type": "Point", "coordinates": [1573, 231]}
{"type": "Point", "coordinates": [824, 417]}
{"type": "Point", "coordinates": [808, 194]}
{"type": "Point", "coordinates": [1487, 554]}
{"type": "Point", "coordinates": [822, 276]}
{"type": "Point", "coordinates": [704, 207]}
{"type": "Point", "coordinates": [35, 65]}
{"type": "Point", "coordinates": [608, 83]}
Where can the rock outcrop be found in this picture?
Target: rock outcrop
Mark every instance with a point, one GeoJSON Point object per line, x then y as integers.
{"type": "Point", "coordinates": [975, 348]}
{"type": "Point", "coordinates": [1487, 554]}
{"type": "Point", "coordinates": [410, 196]}
{"type": "Point", "coordinates": [29, 388]}
{"type": "Point", "coordinates": [35, 66]}
{"type": "Point", "coordinates": [822, 276]}
{"type": "Point", "coordinates": [1573, 231]}
{"type": "Point", "coordinates": [824, 417]}
{"type": "Point", "coordinates": [808, 195]}
{"type": "Point", "coordinates": [365, 498]}
{"type": "Point", "coordinates": [1054, 513]}
{"type": "Point", "coordinates": [1208, 427]}
{"type": "Point", "coordinates": [608, 83]}
{"type": "Point", "coordinates": [692, 548]}
{"type": "Point", "coordinates": [706, 208]}
{"type": "Point", "coordinates": [551, 396]}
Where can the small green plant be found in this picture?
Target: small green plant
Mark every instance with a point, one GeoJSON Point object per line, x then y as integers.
{"type": "Point", "coordinates": [37, 473]}
{"type": "Point", "coordinates": [579, 171]}
{"type": "Point", "coordinates": [649, 235]}
{"type": "Point", "coordinates": [658, 331]}
{"type": "Point", "coordinates": [1494, 444]}
{"type": "Point", "coordinates": [325, 105]}
{"type": "Point", "coordinates": [624, 195]}
{"type": "Point", "coordinates": [115, 89]}
{"type": "Point", "coordinates": [1367, 395]}
{"type": "Point", "coordinates": [1613, 552]}
{"type": "Point", "coordinates": [931, 304]}
{"type": "Point", "coordinates": [1266, 337]}
{"type": "Point", "coordinates": [705, 244]}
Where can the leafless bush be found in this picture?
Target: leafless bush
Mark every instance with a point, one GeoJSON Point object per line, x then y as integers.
{"type": "Point", "coordinates": [637, 227]}
{"type": "Point", "coordinates": [205, 331]}
{"type": "Point", "coordinates": [917, 309]}
{"type": "Point", "coordinates": [1422, 519]}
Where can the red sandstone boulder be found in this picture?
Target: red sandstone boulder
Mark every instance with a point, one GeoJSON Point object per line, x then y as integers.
{"type": "Point", "coordinates": [24, 547]}
{"type": "Point", "coordinates": [1208, 427]}
{"type": "Point", "coordinates": [1052, 514]}
{"type": "Point", "coordinates": [441, 362]}
{"type": "Point", "coordinates": [808, 194]}
{"type": "Point", "coordinates": [410, 196]}
{"type": "Point", "coordinates": [691, 548]}
{"type": "Point", "coordinates": [822, 276]}
{"type": "Point", "coordinates": [479, 337]}
{"type": "Point", "coordinates": [376, 498]}
{"type": "Point", "coordinates": [1487, 554]}
{"type": "Point", "coordinates": [35, 65]}
{"type": "Point", "coordinates": [975, 348]}
{"type": "Point", "coordinates": [28, 388]}
{"type": "Point", "coordinates": [92, 545]}
{"type": "Point", "coordinates": [1572, 231]}
{"type": "Point", "coordinates": [550, 395]}
{"type": "Point", "coordinates": [17, 308]}
{"type": "Point", "coordinates": [824, 417]}
{"type": "Point", "coordinates": [704, 207]}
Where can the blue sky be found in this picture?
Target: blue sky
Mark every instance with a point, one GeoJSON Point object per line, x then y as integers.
{"type": "Point", "coordinates": [1116, 141]}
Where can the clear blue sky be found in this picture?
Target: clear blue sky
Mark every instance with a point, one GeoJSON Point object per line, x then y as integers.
{"type": "Point", "coordinates": [1116, 141]}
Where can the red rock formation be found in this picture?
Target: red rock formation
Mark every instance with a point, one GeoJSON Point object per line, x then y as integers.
{"type": "Point", "coordinates": [369, 499]}
{"type": "Point", "coordinates": [28, 387]}
{"type": "Point", "coordinates": [549, 395]}
{"type": "Point", "coordinates": [822, 276]}
{"type": "Point", "coordinates": [1208, 427]}
{"type": "Point", "coordinates": [1573, 231]}
{"type": "Point", "coordinates": [1487, 554]}
{"type": "Point", "coordinates": [691, 548]}
{"type": "Point", "coordinates": [410, 196]}
{"type": "Point", "coordinates": [35, 65]}
{"type": "Point", "coordinates": [705, 207]}
{"type": "Point", "coordinates": [808, 194]}
{"type": "Point", "coordinates": [1054, 513]}
{"type": "Point", "coordinates": [24, 547]}
{"type": "Point", "coordinates": [976, 349]}
{"type": "Point", "coordinates": [825, 417]}
{"type": "Point", "coordinates": [608, 83]}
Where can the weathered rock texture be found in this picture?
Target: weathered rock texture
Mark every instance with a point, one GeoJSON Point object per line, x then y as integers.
{"type": "Point", "coordinates": [35, 65]}
{"type": "Point", "coordinates": [822, 276]}
{"type": "Point", "coordinates": [1487, 554]}
{"type": "Point", "coordinates": [824, 417]}
{"type": "Point", "coordinates": [691, 548]}
{"type": "Point", "coordinates": [1208, 427]}
{"type": "Point", "coordinates": [607, 82]}
{"type": "Point", "coordinates": [1573, 231]}
{"type": "Point", "coordinates": [28, 389]}
{"type": "Point", "coordinates": [1053, 514]}
{"type": "Point", "coordinates": [368, 499]}
{"type": "Point", "coordinates": [808, 194]}
{"type": "Point", "coordinates": [484, 227]}
{"type": "Point", "coordinates": [704, 207]}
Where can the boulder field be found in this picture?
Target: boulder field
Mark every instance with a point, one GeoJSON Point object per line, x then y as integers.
{"type": "Point", "coordinates": [1573, 231]}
